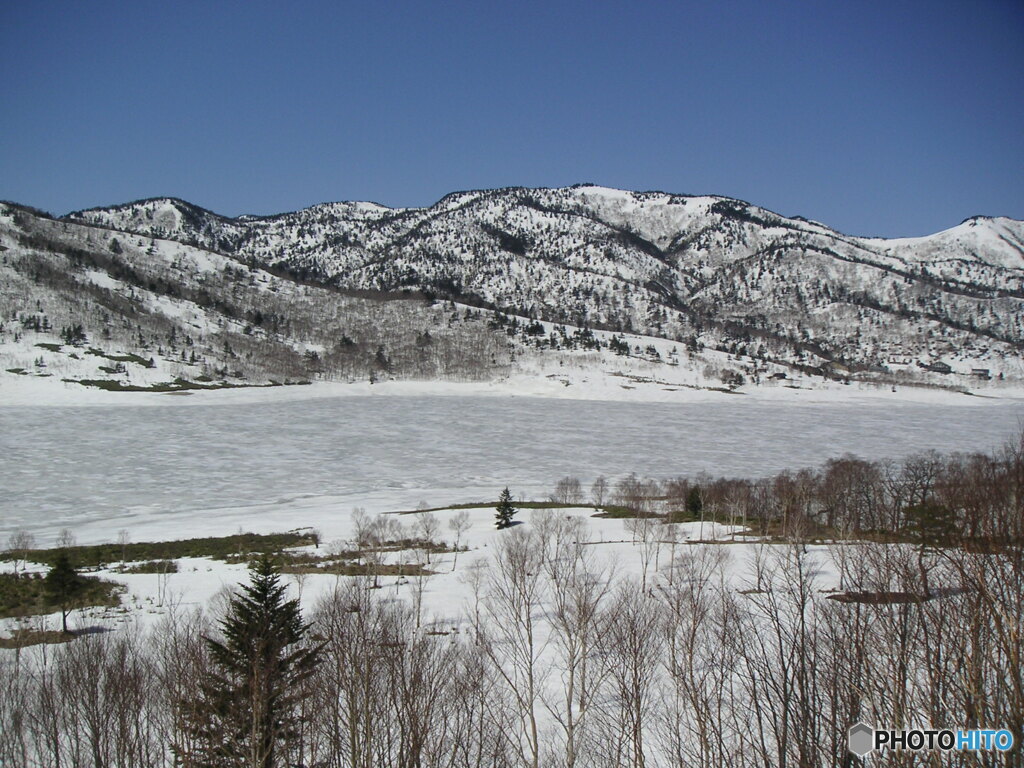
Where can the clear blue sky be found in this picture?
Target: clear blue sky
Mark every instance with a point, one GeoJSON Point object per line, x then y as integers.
{"type": "Point", "coordinates": [888, 118]}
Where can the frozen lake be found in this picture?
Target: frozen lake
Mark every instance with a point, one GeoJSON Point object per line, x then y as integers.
{"type": "Point", "coordinates": [152, 469]}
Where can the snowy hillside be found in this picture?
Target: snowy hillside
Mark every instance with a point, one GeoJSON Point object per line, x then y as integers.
{"type": "Point", "coordinates": [91, 306]}
{"type": "Point", "coordinates": [708, 271]}
{"type": "Point", "coordinates": [553, 284]}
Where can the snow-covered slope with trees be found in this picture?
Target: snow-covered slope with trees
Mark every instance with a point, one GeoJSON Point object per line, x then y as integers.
{"type": "Point", "coordinates": [707, 270]}
{"type": "Point", "coordinates": [91, 305]}
{"type": "Point", "coordinates": [706, 273]}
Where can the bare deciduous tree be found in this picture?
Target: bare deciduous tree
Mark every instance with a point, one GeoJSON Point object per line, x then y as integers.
{"type": "Point", "coordinates": [568, 491]}
{"type": "Point", "coordinates": [65, 539]}
{"type": "Point", "coordinates": [598, 491]}
{"type": "Point", "coordinates": [633, 643]}
{"type": "Point", "coordinates": [578, 588]}
{"type": "Point", "coordinates": [511, 637]}
{"type": "Point", "coordinates": [459, 525]}
{"type": "Point", "coordinates": [428, 527]}
{"type": "Point", "coordinates": [19, 544]}
{"type": "Point", "coordinates": [123, 539]}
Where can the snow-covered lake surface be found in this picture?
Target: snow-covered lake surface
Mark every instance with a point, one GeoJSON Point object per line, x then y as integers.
{"type": "Point", "coordinates": [174, 472]}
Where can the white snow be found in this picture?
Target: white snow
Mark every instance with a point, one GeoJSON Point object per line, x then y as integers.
{"type": "Point", "coordinates": [281, 458]}
{"type": "Point", "coordinates": [998, 241]}
{"type": "Point", "coordinates": [199, 581]}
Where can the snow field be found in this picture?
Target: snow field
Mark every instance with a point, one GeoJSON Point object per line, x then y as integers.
{"type": "Point", "coordinates": [202, 582]}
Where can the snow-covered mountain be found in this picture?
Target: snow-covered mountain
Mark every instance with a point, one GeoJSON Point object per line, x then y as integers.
{"type": "Point", "coordinates": [703, 270]}
{"type": "Point", "coordinates": [118, 311]}
{"type": "Point", "coordinates": [485, 285]}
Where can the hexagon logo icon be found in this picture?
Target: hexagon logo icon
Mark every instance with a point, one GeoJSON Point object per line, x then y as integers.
{"type": "Point", "coordinates": [861, 738]}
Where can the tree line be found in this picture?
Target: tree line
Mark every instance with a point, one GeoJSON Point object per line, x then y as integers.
{"type": "Point", "coordinates": [973, 500]}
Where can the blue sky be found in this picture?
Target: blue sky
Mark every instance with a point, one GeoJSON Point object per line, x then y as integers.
{"type": "Point", "coordinates": [877, 118]}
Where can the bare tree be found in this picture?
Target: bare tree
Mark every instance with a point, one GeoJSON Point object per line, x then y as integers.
{"type": "Point", "coordinates": [633, 643]}
{"type": "Point", "coordinates": [578, 589]}
{"type": "Point", "coordinates": [300, 577]}
{"type": "Point", "coordinates": [511, 637]}
{"type": "Point", "coordinates": [350, 693]}
{"type": "Point", "coordinates": [629, 494]}
{"type": "Point", "coordinates": [65, 539]}
{"type": "Point", "coordinates": [428, 527]}
{"type": "Point", "coordinates": [123, 539]}
{"type": "Point", "coordinates": [369, 540]}
{"type": "Point", "coordinates": [672, 535]}
{"type": "Point", "coordinates": [459, 525]}
{"type": "Point", "coordinates": [19, 544]}
{"type": "Point", "coordinates": [778, 650]}
{"type": "Point", "coordinates": [694, 719]}
{"type": "Point", "coordinates": [421, 557]}
{"type": "Point", "coordinates": [598, 491]}
{"type": "Point", "coordinates": [645, 532]}
{"type": "Point", "coordinates": [568, 491]}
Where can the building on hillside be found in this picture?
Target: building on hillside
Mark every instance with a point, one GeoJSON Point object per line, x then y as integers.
{"type": "Point", "coordinates": [936, 367]}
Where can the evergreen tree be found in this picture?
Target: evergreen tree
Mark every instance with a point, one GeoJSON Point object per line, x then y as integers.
{"type": "Point", "coordinates": [63, 585]}
{"type": "Point", "coordinates": [74, 335]}
{"type": "Point", "coordinates": [933, 525]}
{"type": "Point", "coordinates": [245, 714]}
{"type": "Point", "coordinates": [505, 510]}
{"type": "Point", "coordinates": [694, 501]}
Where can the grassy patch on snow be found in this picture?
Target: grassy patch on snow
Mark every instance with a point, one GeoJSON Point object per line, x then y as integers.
{"type": "Point", "coordinates": [152, 566]}
{"type": "Point", "coordinates": [25, 595]}
{"type": "Point", "coordinates": [125, 358]}
{"type": "Point", "coordinates": [361, 569]}
{"type": "Point", "coordinates": [240, 547]}
{"type": "Point", "coordinates": [178, 385]}
{"type": "Point", "coordinates": [609, 511]}
{"type": "Point", "coordinates": [22, 638]}
{"type": "Point", "coordinates": [491, 504]}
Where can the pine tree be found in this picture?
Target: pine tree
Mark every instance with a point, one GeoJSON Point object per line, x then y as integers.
{"type": "Point", "coordinates": [505, 510]}
{"type": "Point", "coordinates": [694, 501]}
{"type": "Point", "coordinates": [63, 585]}
{"type": "Point", "coordinates": [934, 527]}
{"type": "Point", "coordinates": [245, 714]}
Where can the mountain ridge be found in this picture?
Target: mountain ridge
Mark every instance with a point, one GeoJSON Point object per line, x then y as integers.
{"type": "Point", "coordinates": [703, 272]}
{"type": "Point", "coordinates": [648, 254]}
{"type": "Point", "coordinates": [250, 217]}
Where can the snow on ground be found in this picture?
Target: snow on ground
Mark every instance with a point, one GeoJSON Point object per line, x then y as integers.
{"type": "Point", "coordinates": [201, 582]}
{"type": "Point", "coordinates": [601, 385]}
{"type": "Point", "coordinates": [448, 596]}
{"type": "Point", "coordinates": [275, 465]}
{"type": "Point", "coordinates": [274, 459]}
{"type": "Point", "coordinates": [657, 370]}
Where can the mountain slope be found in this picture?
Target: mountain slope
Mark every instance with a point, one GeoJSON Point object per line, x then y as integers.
{"type": "Point", "coordinates": [707, 271]}
{"type": "Point", "coordinates": [93, 305]}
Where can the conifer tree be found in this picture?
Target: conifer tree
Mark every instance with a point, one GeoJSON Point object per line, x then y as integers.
{"type": "Point", "coordinates": [246, 712]}
{"type": "Point", "coordinates": [694, 501]}
{"type": "Point", "coordinates": [63, 585]}
{"type": "Point", "coordinates": [934, 526]}
{"type": "Point", "coordinates": [504, 510]}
